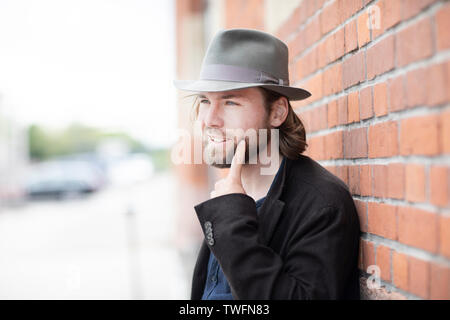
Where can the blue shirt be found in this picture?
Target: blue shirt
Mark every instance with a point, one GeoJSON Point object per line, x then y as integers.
{"type": "Point", "coordinates": [216, 286]}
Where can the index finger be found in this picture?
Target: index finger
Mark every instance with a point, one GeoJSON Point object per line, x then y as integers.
{"type": "Point", "coordinates": [238, 161]}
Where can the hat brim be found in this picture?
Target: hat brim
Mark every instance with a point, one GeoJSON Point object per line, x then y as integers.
{"type": "Point", "coordinates": [292, 93]}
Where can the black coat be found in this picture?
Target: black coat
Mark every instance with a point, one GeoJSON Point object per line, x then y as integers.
{"type": "Point", "coordinates": [303, 244]}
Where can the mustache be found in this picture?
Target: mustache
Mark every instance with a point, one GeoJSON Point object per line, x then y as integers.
{"type": "Point", "coordinates": [228, 134]}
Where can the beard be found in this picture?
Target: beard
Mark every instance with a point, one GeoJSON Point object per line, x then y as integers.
{"type": "Point", "coordinates": [220, 155]}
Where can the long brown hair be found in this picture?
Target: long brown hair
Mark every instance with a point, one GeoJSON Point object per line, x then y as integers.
{"type": "Point", "coordinates": [292, 132]}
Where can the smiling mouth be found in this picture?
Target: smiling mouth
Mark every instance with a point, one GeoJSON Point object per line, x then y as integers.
{"type": "Point", "coordinates": [217, 139]}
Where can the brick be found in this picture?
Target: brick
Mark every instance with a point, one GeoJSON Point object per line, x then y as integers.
{"type": "Point", "coordinates": [318, 117]}
{"type": "Point", "coordinates": [342, 173]}
{"type": "Point", "coordinates": [397, 99]}
{"type": "Point", "coordinates": [368, 254]}
{"type": "Point", "coordinates": [444, 236]}
{"type": "Point", "coordinates": [311, 59]}
{"type": "Point", "coordinates": [444, 131]}
{"type": "Point", "coordinates": [329, 18]}
{"type": "Point", "coordinates": [348, 8]}
{"type": "Point", "coordinates": [307, 64]}
{"type": "Point", "coordinates": [376, 19]}
{"type": "Point", "coordinates": [361, 208]}
{"type": "Point", "coordinates": [312, 32]}
{"type": "Point", "coordinates": [383, 260]}
{"type": "Point", "coordinates": [339, 43]}
{"type": "Point", "coordinates": [419, 277]}
{"type": "Point", "coordinates": [415, 183]}
{"type": "Point", "coordinates": [333, 145]}
{"type": "Point", "coordinates": [365, 180]}
{"type": "Point", "coordinates": [439, 185]}
{"type": "Point", "coordinates": [400, 270]}
{"type": "Point", "coordinates": [383, 140]}
{"type": "Point", "coordinates": [305, 118]}
{"type": "Point", "coordinates": [412, 8]}
{"type": "Point", "coordinates": [376, 65]}
{"type": "Point", "coordinates": [353, 107]}
{"type": "Point", "coordinates": [396, 178]}
{"type": "Point", "coordinates": [381, 220]}
{"type": "Point", "coordinates": [380, 181]}
{"type": "Point", "coordinates": [297, 45]}
{"type": "Point", "coordinates": [355, 142]}
{"type": "Point", "coordinates": [363, 30]}
{"type": "Point", "coordinates": [417, 228]}
{"type": "Point", "coordinates": [437, 83]}
{"type": "Point", "coordinates": [365, 100]}
{"type": "Point", "coordinates": [351, 36]}
{"type": "Point", "coordinates": [332, 114]}
{"type": "Point", "coordinates": [443, 27]}
{"type": "Point", "coordinates": [322, 55]}
{"type": "Point", "coordinates": [330, 53]}
{"type": "Point", "coordinates": [342, 106]}
{"type": "Point", "coordinates": [416, 87]}
{"type": "Point", "coordinates": [414, 42]}
{"type": "Point", "coordinates": [391, 14]}
{"type": "Point", "coordinates": [353, 70]}
{"type": "Point", "coordinates": [316, 149]}
{"type": "Point", "coordinates": [419, 135]}
{"type": "Point", "coordinates": [353, 179]}
{"type": "Point", "coordinates": [332, 79]}
{"type": "Point", "coordinates": [315, 87]}
{"type": "Point", "coordinates": [439, 282]}
{"type": "Point", "coordinates": [380, 103]}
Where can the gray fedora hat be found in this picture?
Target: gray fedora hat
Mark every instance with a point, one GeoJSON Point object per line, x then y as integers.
{"type": "Point", "coordinates": [244, 58]}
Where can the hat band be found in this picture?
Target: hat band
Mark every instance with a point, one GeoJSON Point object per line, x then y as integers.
{"type": "Point", "coordinates": [225, 72]}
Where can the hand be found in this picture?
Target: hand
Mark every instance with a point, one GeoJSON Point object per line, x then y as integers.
{"type": "Point", "coordinates": [232, 183]}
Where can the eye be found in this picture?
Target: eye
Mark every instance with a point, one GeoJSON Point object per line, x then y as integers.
{"type": "Point", "coordinates": [231, 103]}
{"type": "Point", "coordinates": [204, 101]}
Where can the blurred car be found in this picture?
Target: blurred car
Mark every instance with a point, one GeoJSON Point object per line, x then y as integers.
{"type": "Point", "coordinates": [131, 169]}
{"type": "Point", "coordinates": [63, 177]}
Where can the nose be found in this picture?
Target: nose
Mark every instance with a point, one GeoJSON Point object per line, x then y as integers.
{"type": "Point", "coordinates": [213, 117]}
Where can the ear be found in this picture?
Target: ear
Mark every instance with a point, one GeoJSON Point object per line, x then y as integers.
{"type": "Point", "coordinates": [279, 112]}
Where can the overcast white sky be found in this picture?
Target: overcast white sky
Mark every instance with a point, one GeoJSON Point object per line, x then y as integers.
{"type": "Point", "coordinates": [107, 63]}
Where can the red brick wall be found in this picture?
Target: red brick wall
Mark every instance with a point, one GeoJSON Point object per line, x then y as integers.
{"type": "Point", "coordinates": [379, 118]}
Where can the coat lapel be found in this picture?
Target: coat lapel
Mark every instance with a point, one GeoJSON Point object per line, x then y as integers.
{"type": "Point", "coordinates": [200, 271]}
{"type": "Point", "coordinates": [272, 207]}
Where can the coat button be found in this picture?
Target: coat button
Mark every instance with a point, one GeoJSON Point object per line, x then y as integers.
{"type": "Point", "coordinates": [211, 242]}
{"type": "Point", "coordinates": [208, 224]}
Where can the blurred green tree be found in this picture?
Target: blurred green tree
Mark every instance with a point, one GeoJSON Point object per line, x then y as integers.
{"type": "Point", "coordinates": [76, 138]}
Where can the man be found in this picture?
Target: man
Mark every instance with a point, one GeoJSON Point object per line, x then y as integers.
{"type": "Point", "coordinates": [290, 234]}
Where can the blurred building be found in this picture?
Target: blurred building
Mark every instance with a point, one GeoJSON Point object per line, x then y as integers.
{"type": "Point", "coordinates": [13, 158]}
{"type": "Point", "coordinates": [378, 118]}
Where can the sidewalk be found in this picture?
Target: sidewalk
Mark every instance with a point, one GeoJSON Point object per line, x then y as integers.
{"type": "Point", "coordinates": [94, 248]}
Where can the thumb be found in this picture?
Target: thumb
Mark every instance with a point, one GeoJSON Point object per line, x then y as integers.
{"type": "Point", "coordinates": [237, 162]}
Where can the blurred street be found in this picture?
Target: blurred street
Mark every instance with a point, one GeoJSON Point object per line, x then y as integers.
{"type": "Point", "coordinates": [113, 244]}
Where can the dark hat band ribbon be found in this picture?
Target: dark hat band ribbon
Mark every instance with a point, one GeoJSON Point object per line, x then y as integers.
{"type": "Point", "coordinates": [225, 72]}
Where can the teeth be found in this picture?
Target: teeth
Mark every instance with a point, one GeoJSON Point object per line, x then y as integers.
{"type": "Point", "coordinates": [217, 139]}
